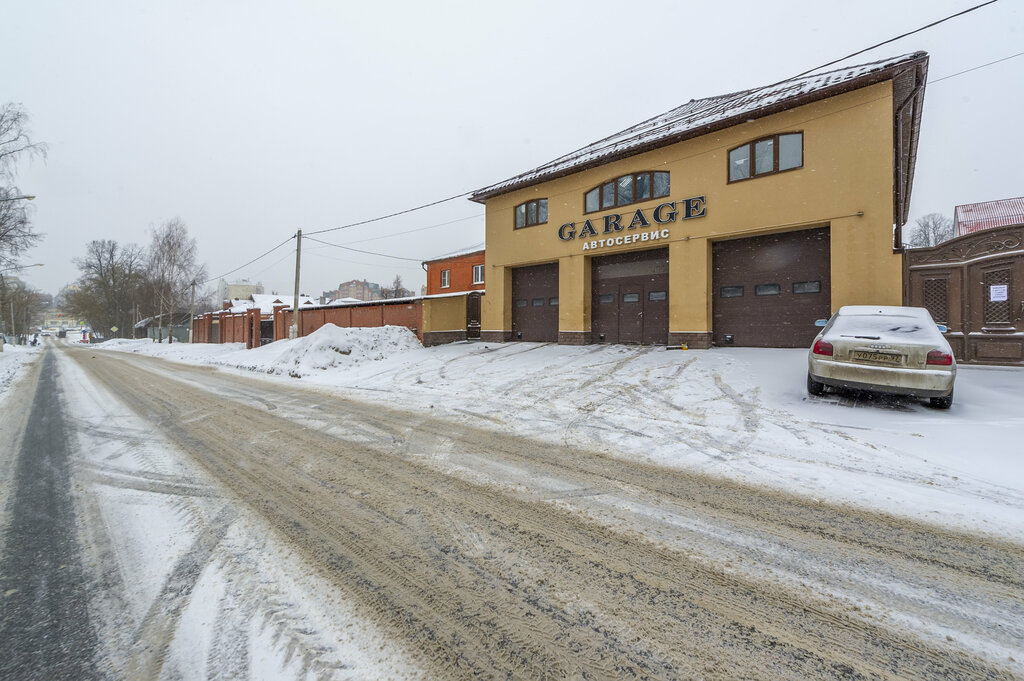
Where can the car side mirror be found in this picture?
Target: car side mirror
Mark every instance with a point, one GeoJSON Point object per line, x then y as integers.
{"type": "Point", "coordinates": [942, 328]}
{"type": "Point", "coordinates": [820, 322]}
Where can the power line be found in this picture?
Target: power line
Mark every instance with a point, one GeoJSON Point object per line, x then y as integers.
{"type": "Point", "coordinates": [347, 248]}
{"type": "Point", "coordinates": [721, 101]}
{"type": "Point", "coordinates": [390, 215]}
{"type": "Point", "coordinates": [383, 266]}
{"type": "Point", "coordinates": [974, 68]}
{"type": "Point", "coordinates": [418, 229]}
{"type": "Point", "coordinates": [590, 150]}
{"type": "Point", "coordinates": [251, 261]}
{"type": "Point", "coordinates": [892, 40]}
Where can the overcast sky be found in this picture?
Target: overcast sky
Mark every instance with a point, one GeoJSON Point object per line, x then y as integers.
{"type": "Point", "coordinates": [249, 120]}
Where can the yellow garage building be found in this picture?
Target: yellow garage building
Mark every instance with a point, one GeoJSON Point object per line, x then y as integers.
{"type": "Point", "coordinates": [731, 220]}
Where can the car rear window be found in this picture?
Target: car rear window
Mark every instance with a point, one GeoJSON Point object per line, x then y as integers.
{"type": "Point", "coordinates": [884, 326]}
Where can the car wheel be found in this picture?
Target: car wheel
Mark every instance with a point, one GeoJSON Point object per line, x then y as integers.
{"type": "Point", "coordinates": [944, 402]}
{"type": "Point", "coordinates": [815, 387]}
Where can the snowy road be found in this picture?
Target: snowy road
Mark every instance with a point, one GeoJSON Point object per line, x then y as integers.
{"type": "Point", "coordinates": [44, 624]}
{"type": "Point", "coordinates": [238, 528]}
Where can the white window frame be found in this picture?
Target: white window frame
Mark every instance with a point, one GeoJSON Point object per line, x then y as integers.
{"type": "Point", "coordinates": [446, 278]}
{"type": "Point", "coordinates": [478, 274]}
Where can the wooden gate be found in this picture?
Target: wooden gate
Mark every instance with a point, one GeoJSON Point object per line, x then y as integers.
{"type": "Point", "coordinates": [974, 285]}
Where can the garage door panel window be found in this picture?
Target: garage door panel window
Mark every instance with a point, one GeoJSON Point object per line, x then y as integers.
{"type": "Point", "coordinates": [806, 287]}
{"type": "Point", "coordinates": [606, 298]}
{"type": "Point", "coordinates": [553, 301]}
{"type": "Point", "coordinates": [766, 156]}
{"type": "Point", "coordinates": [537, 302]}
{"type": "Point", "coordinates": [631, 297]}
{"type": "Point", "coordinates": [626, 190]}
{"type": "Point", "coordinates": [521, 302]}
{"type": "Point", "coordinates": [531, 213]}
{"type": "Point", "coordinates": [731, 292]}
{"type": "Point", "coordinates": [655, 296]}
{"type": "Point", "coordinates": [767, 290]}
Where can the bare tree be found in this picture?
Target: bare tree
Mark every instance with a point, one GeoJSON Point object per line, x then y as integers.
{"type": "Point", "coordinates": [396, 290]}
{"type": "Point", "coordinates": [21, 306]}
{"type": "Point", "coordinates": [929, 230]}
{"type": "Point", "coordinates": [111, 286]}
{"type": "Point", "coordinates": [173, 267]}
{"type": "Point", "coordinates": [16, 232]}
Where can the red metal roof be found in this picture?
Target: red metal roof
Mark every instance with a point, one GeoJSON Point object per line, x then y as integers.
{"type": "Point", "coordinates": [974, 217]}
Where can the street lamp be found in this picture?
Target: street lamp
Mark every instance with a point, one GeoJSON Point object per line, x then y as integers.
{"type": "Point", "coordinates": [18, 198]}
{"type": "Point", "coordinates": [3, 283]}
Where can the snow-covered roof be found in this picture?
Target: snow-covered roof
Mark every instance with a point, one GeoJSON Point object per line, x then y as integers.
{"type": "Point", "coordinates": [701, 116]}
{"type": "Point", "coordinates": [974, 217]}
{"type": "Point", "coordinates": [267, 301]}
{"type": "Point", "coordinates": [345, 301]}
{"type": "Point", "coordinates": [476, 248]}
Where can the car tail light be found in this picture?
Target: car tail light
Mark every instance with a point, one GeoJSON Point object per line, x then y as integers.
{"type": "Point", "coordinates": [822, 347]}
{"type": "Point", "coordinates": [940, 358]}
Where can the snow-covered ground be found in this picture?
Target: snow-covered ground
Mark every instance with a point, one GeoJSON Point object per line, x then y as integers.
{"type": "Point", "coordinates": [13, 360]}
{"type": "Point", "coordinates": [741, 413]}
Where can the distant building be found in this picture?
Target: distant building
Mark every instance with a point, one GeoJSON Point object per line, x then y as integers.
{"type": "Point", "coordinates": [400, 292]}
{"type": "Point", "coordinates": [360, 290]}
{"type": "Point", "coordinates": [240, 289]}
{"type": "Point", "coordinates": [975, 217]}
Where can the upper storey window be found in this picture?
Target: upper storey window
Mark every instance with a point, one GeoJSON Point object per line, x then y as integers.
{"type": "Point", "coordinates": [622, 191]}
{"type": "Point", "coordinates": [531, 213]}
{"type": "Point", "coordinates": [766, 156]}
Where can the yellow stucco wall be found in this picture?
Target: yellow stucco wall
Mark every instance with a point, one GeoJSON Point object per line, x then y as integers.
{"type": "Point", "coordinates": [848, 156]}
{"type": "Point", "coordinates": [444, 314]}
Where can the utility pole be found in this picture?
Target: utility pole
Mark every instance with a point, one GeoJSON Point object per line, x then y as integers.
{"type": "Point", "coordinates": [192, 313]}
{"type": "Point", "coordinates": [294, 331]}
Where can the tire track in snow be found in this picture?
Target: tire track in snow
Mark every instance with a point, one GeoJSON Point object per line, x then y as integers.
{"type": "Point", "coordinates": [537, 592]}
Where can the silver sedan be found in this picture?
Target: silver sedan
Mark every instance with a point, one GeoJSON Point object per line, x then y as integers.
{"type": "Point", "coordinates": [885, 349]}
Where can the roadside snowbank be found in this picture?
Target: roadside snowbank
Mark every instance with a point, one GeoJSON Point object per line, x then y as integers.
{"type": "Point", "coordinates": [12, 362]}
{"type": "Point", "coordinates": [741, 413]}
{"type": "Point", "coordinates": [329, 347]}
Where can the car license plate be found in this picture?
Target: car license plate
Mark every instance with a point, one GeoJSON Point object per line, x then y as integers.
{"type": "Point", "coordinates": [877, 357]}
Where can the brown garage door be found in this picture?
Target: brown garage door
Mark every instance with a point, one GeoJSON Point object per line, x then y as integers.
{"type": "Point", "coordinates": [768, 290]}
{"type": "Point", "coordinates": [535, 303]}
{"type": "Point", "coordinates": [630, 298]}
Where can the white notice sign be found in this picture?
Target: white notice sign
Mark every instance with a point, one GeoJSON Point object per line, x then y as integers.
{"type": "Point", "coordinates": [998, 292]}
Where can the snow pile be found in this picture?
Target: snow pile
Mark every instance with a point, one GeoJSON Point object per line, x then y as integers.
{"type": "Point", "coordinates": [331, 347]}
{"type": "Point", "coordinates": [12, 360]}
{"type": "Point", "coordinates": [328, 348]}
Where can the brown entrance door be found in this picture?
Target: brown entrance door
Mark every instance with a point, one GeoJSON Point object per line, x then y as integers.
{"type": "Point", "coordinates": [630, 298]}
{"type": "Point", "coordinates": [473, 316]}
{"type": "Point", "coordinates": [631, 312]}
{"type": "Point", "coordinates": [655, 297]}
{"type": "Point", "coordinates": [605, 312]}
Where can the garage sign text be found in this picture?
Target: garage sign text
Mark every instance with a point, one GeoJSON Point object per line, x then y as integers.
{"type": "Point", "coordinates": [662, 214]}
